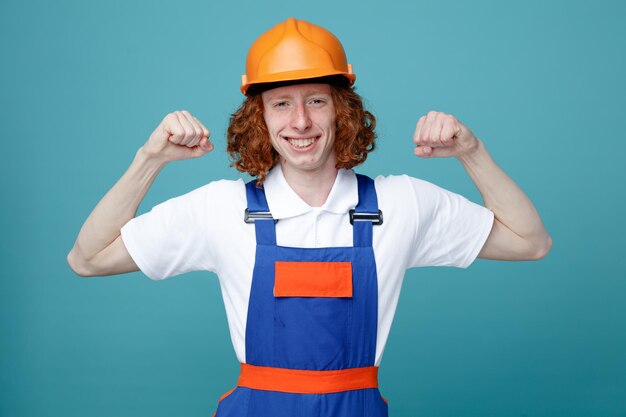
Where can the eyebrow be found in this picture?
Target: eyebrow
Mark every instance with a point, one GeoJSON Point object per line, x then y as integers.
{"type": "Point", "coordinates": [306, 94]}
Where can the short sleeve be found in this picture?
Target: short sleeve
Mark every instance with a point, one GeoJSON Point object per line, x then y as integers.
{"type": "Point", "coordinates": [451, 230]}
{"type": "Point", "coordinates": [172, 238]}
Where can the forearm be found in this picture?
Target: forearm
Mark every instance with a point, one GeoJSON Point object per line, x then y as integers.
{"type": "Point", "coordinates": [116, 208]}
{"type": "Point", "coordinates": [511, 206]}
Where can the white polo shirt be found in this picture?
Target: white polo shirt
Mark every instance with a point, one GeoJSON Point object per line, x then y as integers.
{"type": "Point", "coordinates": [424, 225]}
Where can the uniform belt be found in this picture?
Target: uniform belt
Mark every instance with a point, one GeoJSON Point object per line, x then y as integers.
{"type": "Point", "coordinates": [300, 381]}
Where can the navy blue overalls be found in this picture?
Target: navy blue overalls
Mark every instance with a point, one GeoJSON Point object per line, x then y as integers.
{"type": "Point", "coordinates": [311, 325]}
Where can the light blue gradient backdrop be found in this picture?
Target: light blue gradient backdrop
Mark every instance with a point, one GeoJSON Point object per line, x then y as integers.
{"type": "Point", "coordinates": [542, 83]}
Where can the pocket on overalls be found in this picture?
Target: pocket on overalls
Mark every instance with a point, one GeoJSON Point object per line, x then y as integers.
{"type": "Point", "coordinates": [233, 403]}
{"type": "Point", "coordinates": [377, 406]}
{"type": "Point", "coordinates": [313, 314]}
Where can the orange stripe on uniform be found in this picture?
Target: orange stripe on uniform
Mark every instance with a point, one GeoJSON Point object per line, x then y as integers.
{"type": "Point", "coordinates": [313, 279]}
{"type": "Point", "coordinates": [299, 381]}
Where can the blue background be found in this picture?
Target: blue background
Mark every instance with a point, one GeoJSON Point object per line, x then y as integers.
{"type": "Point", "coordinates": [542, 83]}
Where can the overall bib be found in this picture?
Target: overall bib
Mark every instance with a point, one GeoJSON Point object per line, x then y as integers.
{"type": "Point", "coordinates": [311, 325]}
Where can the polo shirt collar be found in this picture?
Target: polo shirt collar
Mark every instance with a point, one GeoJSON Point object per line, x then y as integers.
{"type": "Point", "coordinates": [283, 201]}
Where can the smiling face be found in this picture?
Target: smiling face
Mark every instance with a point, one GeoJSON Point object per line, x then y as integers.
{"type": "Point", "coordinates": [300, 120]}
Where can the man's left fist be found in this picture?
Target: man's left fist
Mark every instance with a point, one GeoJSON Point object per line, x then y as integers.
{"type": "Point", "coordinates": [441, 135]}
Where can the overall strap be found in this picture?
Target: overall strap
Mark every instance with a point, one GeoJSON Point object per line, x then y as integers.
{"type": "Point", "coordinates": [366, 213]}
{"type": "Point", "coordinates": [258, 212]}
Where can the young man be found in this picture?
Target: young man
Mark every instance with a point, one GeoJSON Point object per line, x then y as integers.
{"type": "Point", "coordinates": [310, 256]}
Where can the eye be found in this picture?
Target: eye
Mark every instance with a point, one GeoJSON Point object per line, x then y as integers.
{"type": "Point", "coordinates": [280, 104]}
{"type": "Point", "coordinates": [317, 101]}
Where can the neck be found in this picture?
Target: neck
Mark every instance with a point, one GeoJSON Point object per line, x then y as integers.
{"type": "Point", "coordinates": [313, 187]}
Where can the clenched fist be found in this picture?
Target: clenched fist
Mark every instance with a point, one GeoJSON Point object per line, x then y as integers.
{"type": "Point", "coordinates": [179, 136]}
{"type": "Point", "coordinates": [441, 135]}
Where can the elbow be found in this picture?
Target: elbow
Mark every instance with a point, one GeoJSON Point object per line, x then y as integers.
{"type": "Point", "coordinates": [541, 249]}
{"type": "Point", "coordinates": [78, 264]}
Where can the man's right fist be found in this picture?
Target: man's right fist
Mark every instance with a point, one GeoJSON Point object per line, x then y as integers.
{"type": "Point", "coordinates": [179, 136]}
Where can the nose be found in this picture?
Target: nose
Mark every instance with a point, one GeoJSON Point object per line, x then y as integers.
{"type": "Point", "coordinates": [300, 119]}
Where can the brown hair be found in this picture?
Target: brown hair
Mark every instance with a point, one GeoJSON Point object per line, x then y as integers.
{"type": "Point", "coordinates": [251, 151]}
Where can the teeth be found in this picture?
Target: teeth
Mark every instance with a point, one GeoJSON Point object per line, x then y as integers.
{"type": "Point", "coordinates": [300, 143]}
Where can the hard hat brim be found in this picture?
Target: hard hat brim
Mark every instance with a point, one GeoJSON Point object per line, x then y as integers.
{"type": "Point", "coordinates": [296, 75]}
